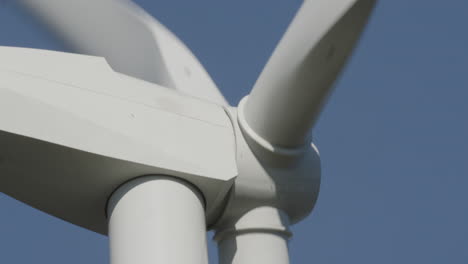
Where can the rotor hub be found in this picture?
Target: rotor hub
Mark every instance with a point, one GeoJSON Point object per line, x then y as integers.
{"type": "Point", "coordinates": [288, 180]}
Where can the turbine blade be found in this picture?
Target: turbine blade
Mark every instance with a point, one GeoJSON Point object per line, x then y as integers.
{"type": "Point", "coordinates": [132, 41]}
{"type": "Point", "coordinates": [288, 96]}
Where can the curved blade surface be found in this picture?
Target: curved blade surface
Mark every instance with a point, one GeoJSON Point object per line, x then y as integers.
{"type": "Point", "coordinates": [132, 41]}
{"type": "Point", "coordinates": [290, 92]}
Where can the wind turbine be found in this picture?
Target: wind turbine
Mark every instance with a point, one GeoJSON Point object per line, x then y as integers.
{"type": "Point", "coordinates": [115, 151]}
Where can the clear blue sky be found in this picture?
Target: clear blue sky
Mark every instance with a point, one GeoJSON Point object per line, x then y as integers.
{"type": "Point", "coordinates": [393, 137]}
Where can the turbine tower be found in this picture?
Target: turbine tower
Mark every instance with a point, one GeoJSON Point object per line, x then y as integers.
{"type": "Point", "coordinates": [133, 140]}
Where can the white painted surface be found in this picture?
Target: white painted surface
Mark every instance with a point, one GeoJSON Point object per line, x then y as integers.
{"type": "Point", "coordinates": [87, 129]}
{"type": "Point", "coordinates": [258, 237]}
{"type": "Point", "coordinates": [291, 91]}
{"type": "Point", "coordinates": [157, 219]}
{"type": "Point", "coordinates": [131, 40]}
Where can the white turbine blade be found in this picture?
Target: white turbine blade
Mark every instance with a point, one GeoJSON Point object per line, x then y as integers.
{"type": "Point", "coordinates": [290, 92]}
{"type": "Point", "coordinates": [72, 130]}
{"type": "Point", "coordinates": [132, 41]}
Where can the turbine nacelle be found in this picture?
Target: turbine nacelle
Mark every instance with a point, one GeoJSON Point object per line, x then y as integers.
{"type": "Point", "coordinates": [72, 130]}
